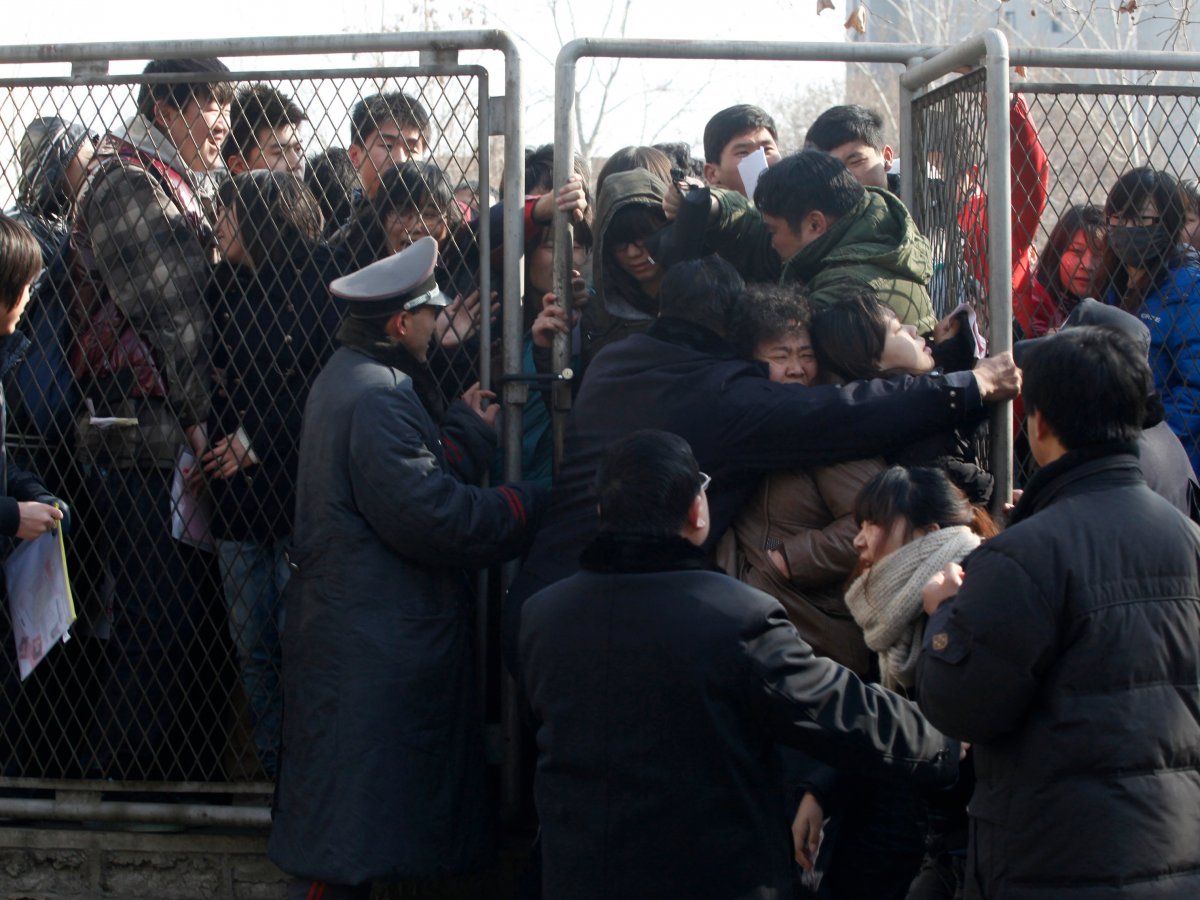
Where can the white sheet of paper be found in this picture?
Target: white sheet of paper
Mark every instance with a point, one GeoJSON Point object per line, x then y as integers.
{"type": "Point", "coordinates": [39, 598]}
{"type": "Point", "coordinates": [190, 515]}
{"type": "Point", "coordinates": [750, 168]}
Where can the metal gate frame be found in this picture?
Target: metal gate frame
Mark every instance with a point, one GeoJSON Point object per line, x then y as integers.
{"type": "Point", "coordinates": [564, 133]}
{"type": "Point", "coordinates": [501, 115]}
{"type": "Point", "coordinates": [990, 50]}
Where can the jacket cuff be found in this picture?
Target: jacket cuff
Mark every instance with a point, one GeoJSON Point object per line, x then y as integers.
{"type": "Point", "coordinates": [10, 516]}
{"type": "Point", "coordinates": [965, 399]}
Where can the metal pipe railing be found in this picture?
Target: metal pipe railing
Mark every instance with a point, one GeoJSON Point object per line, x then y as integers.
{"type": "Point", "coordinates": [991, 48]}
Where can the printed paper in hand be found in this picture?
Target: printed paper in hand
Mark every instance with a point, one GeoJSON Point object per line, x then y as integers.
{"type": "Point", "coordinates": [189, 514]}
{"type": "Point", "coordinates": [39, 598]}
{"type": "Point", "coordinates": [750, 168]}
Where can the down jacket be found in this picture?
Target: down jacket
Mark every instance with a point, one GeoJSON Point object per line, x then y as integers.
{"type": "Point", "coordinates": [661, 692]}
{"type": "Point", "coordinates": [1070, 659]}
{"type": "Point", "coordinates": [382, 767]}
{"type": "Point", "coordinates": [875, 245]}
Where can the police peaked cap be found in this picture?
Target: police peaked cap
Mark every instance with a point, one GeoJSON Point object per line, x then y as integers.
{"type": "Point", "coordinates": [395, 284]}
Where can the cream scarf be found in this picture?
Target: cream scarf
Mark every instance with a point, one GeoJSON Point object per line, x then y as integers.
{"type": "Point", "coordinates": [886, 599]}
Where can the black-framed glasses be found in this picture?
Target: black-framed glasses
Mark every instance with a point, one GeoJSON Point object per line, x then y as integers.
{"type": "Point", "coordinates": [1115, 221]}
{"type": "Point", "coordinates": [705, 481]}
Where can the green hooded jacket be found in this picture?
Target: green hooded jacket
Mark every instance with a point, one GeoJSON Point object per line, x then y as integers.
{"type": "Point", "coordinates": [875, 244]}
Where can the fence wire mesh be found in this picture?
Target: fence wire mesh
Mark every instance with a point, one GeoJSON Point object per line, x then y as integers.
{"type": "Point", "coordinates": [1072, 149]}
{"type": "Point", "coordinates": [184, 305]}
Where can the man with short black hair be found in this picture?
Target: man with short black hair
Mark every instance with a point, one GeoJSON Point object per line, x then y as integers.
{"type": "Point", "coordinates": [854, 134]}
{"type": "Point", "coordinates": [661, 690]}
{"type": "Point", "coordinates": [263, 126]}
{"type": "Point", "coordinates": [816, 224]}
{"type": "Point", "coordinates": [145, 248]}
{"type": "Point", "coordinates": [1069, 656]}
{"type": "Point", "coordinates": [732, 135]}
{"type": "Point", "coordinates": [385, 131]}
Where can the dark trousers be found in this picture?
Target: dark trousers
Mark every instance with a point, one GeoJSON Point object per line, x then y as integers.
{"type": "Point", "coordinates": [879, 841]}
{"type": "Point", "coordinates": [149, 693]}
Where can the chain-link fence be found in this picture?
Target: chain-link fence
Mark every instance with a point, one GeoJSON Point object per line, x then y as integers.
{"type": "Point", "coordinates": [181, 316]}
{"type": "Point", "coordinates": [1085, 160]}
{"type": "Point", "coordinates": [1118, 158]}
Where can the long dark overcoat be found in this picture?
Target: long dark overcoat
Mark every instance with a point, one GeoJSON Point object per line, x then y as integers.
{"type": "Point", "coordinates": [382, 770]}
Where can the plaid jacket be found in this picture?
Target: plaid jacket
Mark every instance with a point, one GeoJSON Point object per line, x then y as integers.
{"type": "Point", "coordinates": [146, 240]}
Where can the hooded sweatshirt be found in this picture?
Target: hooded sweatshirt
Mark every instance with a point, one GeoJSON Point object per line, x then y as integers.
{"type": "Point", "coordinates": [612, 315]}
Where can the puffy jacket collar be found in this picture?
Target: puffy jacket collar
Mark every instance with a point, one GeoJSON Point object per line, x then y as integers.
{"type": "Point", "coordinates": [683, 333]}
{"type": "Point", "coordinates": [614, 552]}
{"type": "Point", "coordinates": [1116, 463]}
{"type": "Point", "coordinates": [370, 340]}
{"type": "Point", "coordinates": [878, 232]}
{"type": "Point", "coordinates": [145, 136]}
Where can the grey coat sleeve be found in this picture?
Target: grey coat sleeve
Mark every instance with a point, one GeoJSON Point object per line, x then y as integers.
{"type": "Point", "coordinates": [822, 708]}
{"type": "Point", "coordinates": [986, 650]}
{"type": "Point", "coordinates": [418, 508]}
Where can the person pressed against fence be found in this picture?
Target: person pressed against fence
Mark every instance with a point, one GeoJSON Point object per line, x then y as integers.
{"type": "Point", "coordinates": [626, 276]}
{"type": "Point", "coordinates": [854, 134]}
{"type": "Point", "coordinates": [730, 136]}
{"type": "Point", "coordinates": [1068, 266]}
{"type": "Point", "coordinates": [141, 354]}
{"type": "Point", "coordinates": [727, 686]}
{"type": "Point", "coordinates": [264, 132]}
{"type": "Point", "coordinates": [1148, 272]}
{"type": "Point", "coordinates": [274, 326]}
{"type": "Point", "coordinates": [386, 130]}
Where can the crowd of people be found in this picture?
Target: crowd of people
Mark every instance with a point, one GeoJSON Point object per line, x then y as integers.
{"type": "Point", "coordinates": [768, 635]}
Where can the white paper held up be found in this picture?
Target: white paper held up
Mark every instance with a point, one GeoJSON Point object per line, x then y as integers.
{"type": "Point", "coordinates": [750, 168]}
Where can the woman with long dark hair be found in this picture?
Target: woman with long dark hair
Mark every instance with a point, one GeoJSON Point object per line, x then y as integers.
{"type": "Point", "coordinates": [274, 331]}
{"type": "Point", "coordinates": [1067, 268]}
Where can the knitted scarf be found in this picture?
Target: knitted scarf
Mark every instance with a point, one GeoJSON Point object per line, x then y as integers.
{"type": "Point", "coordinates": [886, 599]}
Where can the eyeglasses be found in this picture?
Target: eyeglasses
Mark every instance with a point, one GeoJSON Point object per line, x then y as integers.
{"type": "Point", "coordinates": [1115, 221]}
{"type": "Point", "coordinates": [705, 481]}
{"type": "Point", "coordinates": [622, 247]}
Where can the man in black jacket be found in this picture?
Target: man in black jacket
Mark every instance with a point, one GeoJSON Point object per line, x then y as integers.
{"type": "Point", "coordinates": [660, 689]}
{"type": "Point", "coordinates": [683, 377]}
{"type": "Point", "coordinates": [1069, 657]}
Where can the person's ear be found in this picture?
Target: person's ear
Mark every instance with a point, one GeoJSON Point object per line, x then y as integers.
{"type": "Point", "coordinates": [817, 223]}
{"type": "Point", "coordinates": [357, 153]}
{"type": "Point", "coordinates": [711, 174]}
{"type": "Point", "coordinates": [397, 325]}
{"type": "Point", "coordinates": [698, 513]}
{"type": "Point", "coordinates": [1038, 426]}
{"type": "Point", "coordinates": [236, 164]}
{"type": "Point", "coordinates": [888, 156]}
{"type": "Point", "coordinates": [164, 114]}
